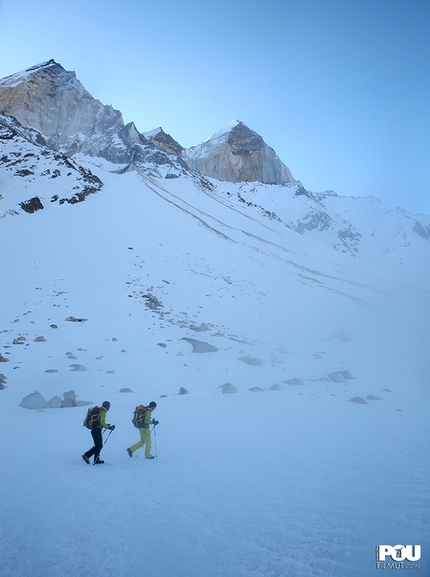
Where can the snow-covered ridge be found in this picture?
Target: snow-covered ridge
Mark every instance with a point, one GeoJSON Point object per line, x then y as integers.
{"type": "Point", "coordinates": [18, 77]}
{"type": "Point", "coordinates": [223, 132]}
{"type": "Point", "coordinates": [291, 377]}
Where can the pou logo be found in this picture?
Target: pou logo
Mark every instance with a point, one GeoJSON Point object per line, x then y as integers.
{"type": "Point", "coordinates": [398, 552]}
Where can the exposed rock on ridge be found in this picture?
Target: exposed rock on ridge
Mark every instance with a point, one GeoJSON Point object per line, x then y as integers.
{"type": "Point", "coordinates": [51, 100]}
{"type": "Point", "coordinates": [33, 175]}
{"type": "Point", "coordinates": [164, 141]}
{"type": "Point", "coordinates": [238, 154]}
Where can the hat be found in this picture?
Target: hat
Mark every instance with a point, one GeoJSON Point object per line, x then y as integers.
{"type": "Point", "coordinates": [152, 404]}
{"type": "Point", "coordinates": [106, 404]}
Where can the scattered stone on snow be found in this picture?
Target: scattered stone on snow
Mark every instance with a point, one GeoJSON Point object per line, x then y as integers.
{"type": "Point", "coordinates": [200, 346]}
{"type": "Point", "coordinates": [2, 381]}
{"type": "Point", "coordinates": [359, 401]}
{"type": "Point", "coordinates": [387, 390]}
{"type": "Point", "coordinates": [3, 359]}
{"type": "Point", "coordinates": [54, 326]}
{"type": "Point", "coordinates": [51, 371]}
{"type": "Point", "coordinates": [251, 361]}
{"type": "Point", "coordinates": [152, 302]}
{"type": "Point", "coordinates": [228, 388]}
{"type": "Point", "coordinates": [73, 319]}
{"type": "Point", "coordinates": [373, 398]}
{"type": "Point", "coordinates": [55, 402]}
{"type": "Point", "coordinates": [275, 387]}
{"type": "Point", "coordinates": [69, 399]}
{"type": "Point", "coordinates": [336, 377]}
{"type": "Point", "coordinates": [162, 345]}
{"type": "Point", "coordinates": [77, 367]}
{"type": "Point", "coordinates": [294, 381]}
{"type": "Point", "coordinates": [34, 401]}
{"type": "Point", "coordinates": [256, 389]}
{"type": "Point", "coordinates": [125, 390]}
{"type": "Point", "coordinates": [183, 391]}
{"type": "Point", "coordinates": [203, 327]}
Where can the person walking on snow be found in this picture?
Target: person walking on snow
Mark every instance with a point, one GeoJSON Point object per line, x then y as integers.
{"type": "Point", "coordinates": [96, 433]}
{"type": "Point", "coordinates": [145, 434]}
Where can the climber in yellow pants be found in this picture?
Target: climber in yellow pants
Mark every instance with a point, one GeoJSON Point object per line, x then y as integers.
{"type": "Point", "coordinates": [145, 434]}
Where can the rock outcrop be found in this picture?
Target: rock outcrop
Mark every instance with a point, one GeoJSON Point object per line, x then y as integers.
{"type": "Point", "coordinates": [238, 154]}
{"type": "Point", "coordinates": [51, 100]}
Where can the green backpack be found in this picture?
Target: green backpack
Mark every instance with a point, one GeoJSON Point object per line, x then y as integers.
{"type": "Point", "coordinates": [92, 417]}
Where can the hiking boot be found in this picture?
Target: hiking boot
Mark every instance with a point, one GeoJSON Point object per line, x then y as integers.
{"type": "Point", "coordinates": [86, 459]}
{"type": "Point", "coordinates": [98, 462]}
{"type": "Point", "coordinates": [150, 457]}
{"type": "Point", "coordinates": [130, 453]}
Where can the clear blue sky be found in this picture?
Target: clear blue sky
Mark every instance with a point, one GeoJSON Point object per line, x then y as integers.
{"type": "Point", "coordinates": [339, 88]}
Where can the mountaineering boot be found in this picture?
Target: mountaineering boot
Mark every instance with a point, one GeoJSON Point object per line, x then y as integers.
{"type": "Point", "coordinates": [150, 457]}
{"type": "Point", "coordinates": [130, 453]}
{"type": "Point", "coordinates": [98, 461]}
{"type": "Point", "coordinates": [86, 459]}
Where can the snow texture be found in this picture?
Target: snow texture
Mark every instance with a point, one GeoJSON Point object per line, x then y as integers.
{"type": "Point", "coordinates": [291, 481]}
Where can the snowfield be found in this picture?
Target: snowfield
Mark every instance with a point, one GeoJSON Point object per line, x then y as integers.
{"type": "Point", "coordinates": [293, 480]}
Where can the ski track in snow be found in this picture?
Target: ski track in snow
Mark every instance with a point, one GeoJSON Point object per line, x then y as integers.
{"type": "Point", "coordinates": [298, 482]}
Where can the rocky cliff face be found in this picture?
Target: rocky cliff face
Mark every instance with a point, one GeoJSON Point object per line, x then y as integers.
{"type": "Point", "coordinates": [238, 154]}
{"type": "Point", "coordinates": [52, 100]}
{"type": "Point", "coordinates": [164, 141]}
{"type": "Point", "coordinates": [33, 176]}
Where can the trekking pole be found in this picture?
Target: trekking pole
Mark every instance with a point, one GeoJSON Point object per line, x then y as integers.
{"type": "Point", "coordinates": [106, 440]}
{"type": "Point", "coordinates": [155, 441]}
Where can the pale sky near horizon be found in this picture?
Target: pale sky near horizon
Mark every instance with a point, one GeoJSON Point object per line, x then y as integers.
{"type": "Point", "coordinates": [339, 88]}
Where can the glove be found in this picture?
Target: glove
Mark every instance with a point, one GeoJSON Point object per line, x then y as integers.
{"type": "Point", "coordinates": [112, 427]}
{"type": "Point", "coordinates": [155, 423]}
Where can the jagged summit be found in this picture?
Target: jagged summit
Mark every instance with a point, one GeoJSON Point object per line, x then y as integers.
{"type": "Point", "coordinates": [51, 100]}
{"type": "Point", "coordinates": [164, 141]}
{"type": "Point", "coordinates": [236, 154]}
{"type": "Point", "coordinates": [18, 76]}
{"type": "Point", "coordinates": [224, 132]}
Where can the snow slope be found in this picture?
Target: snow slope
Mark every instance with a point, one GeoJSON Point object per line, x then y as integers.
{"type": "Point", "coordinates": [298, 481]}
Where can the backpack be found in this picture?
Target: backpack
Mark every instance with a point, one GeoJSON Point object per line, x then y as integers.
{"type": "Point", "coordinates": [92, 417]}
{"type": "Point", "coordinates": [138, 419]}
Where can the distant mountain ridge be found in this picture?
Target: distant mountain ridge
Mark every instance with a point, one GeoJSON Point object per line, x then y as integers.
{"type": "Point", "coordinates": [51, 100]}
{"type": "Point", "coordinates": [51, 127]}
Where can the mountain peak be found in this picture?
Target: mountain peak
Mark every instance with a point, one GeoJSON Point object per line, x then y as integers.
{"type": "Point", "coordinates": [56, 104]}
{"type": "Point", "coordinates": [224, 131]}
{"type": "Point", "coordinates": [163, 141]}
{"type": "Point", "coordinates": [236, 154]}
{"type": "Point", "coordinates": [49, 67]}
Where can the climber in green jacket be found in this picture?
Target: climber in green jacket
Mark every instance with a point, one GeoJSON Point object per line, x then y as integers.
{"type": "Point", "coordinates": [145, 433]}
{"type": "Point", "coordinates": [96, 433]}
